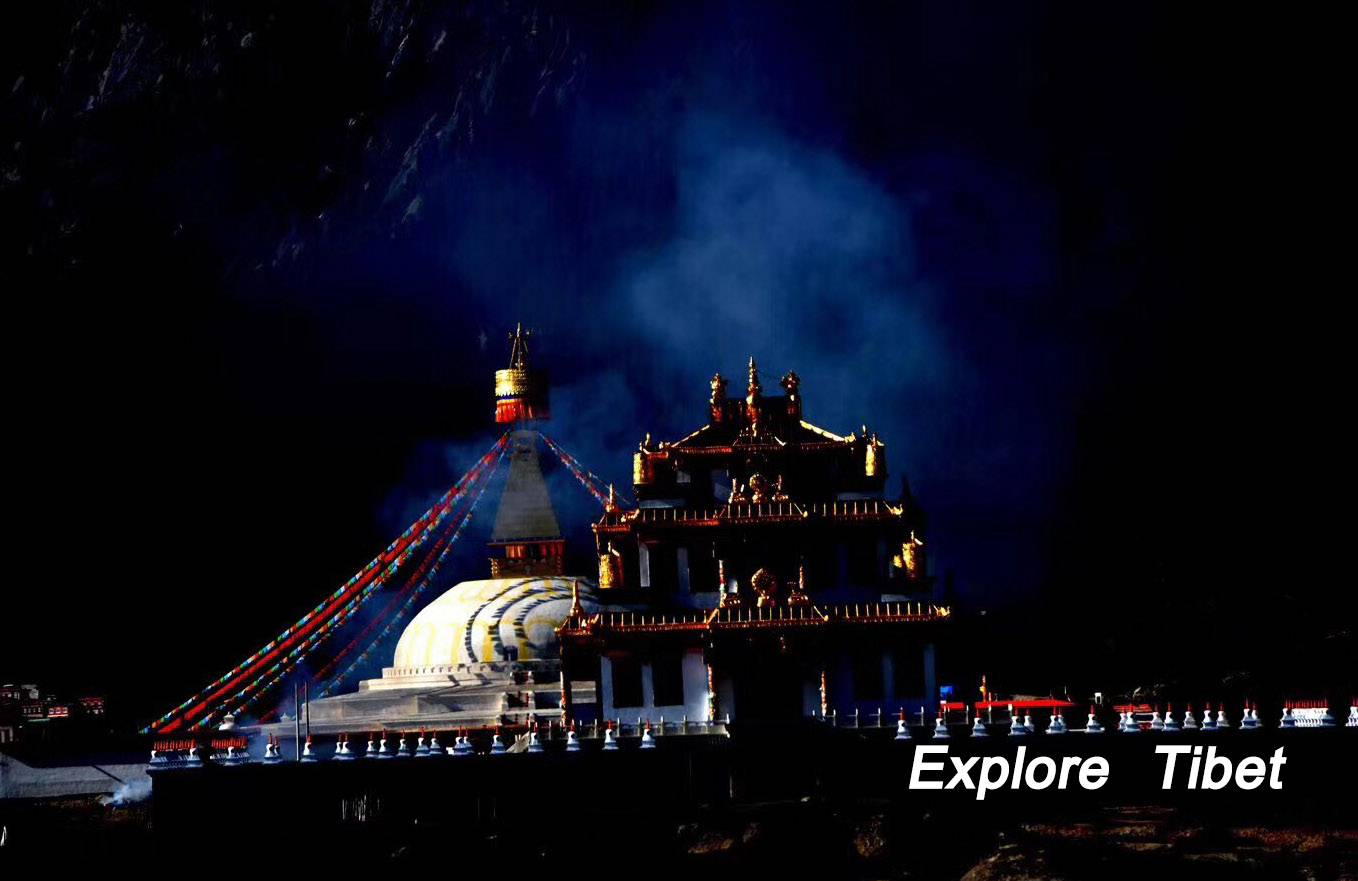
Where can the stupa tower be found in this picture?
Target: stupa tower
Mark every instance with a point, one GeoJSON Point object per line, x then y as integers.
{"type": "Point", "coordinates": [526, 540]}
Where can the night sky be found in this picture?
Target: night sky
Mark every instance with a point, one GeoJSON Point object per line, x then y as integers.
{"type": "Point", "coordinates": [1080, 267]}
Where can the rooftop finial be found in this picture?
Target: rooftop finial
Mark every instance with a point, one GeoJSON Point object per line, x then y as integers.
{"type": "Point", "coordinates": [792, 384]}
{"type": "Point", "coordinates": [752, 399]}
{"type": "Point", "coordinates": [798, 596]}
{"type": "Point", "coordinates": [717, 403]}
{"type": "Point", "coordinates": [520, 389]}
{"type": "Point", "coordinates": [577, 611]}
{"type": "Point", "coordinates": [518, 346]}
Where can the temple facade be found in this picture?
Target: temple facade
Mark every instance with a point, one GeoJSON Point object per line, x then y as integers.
{"type": "Point", "coordinates": [761, 575]}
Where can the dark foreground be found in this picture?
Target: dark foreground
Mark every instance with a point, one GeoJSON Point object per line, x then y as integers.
{"type": "Point", "coordinates": [860, 840]}
{"type": "Point", "coordinates": [834, 804]}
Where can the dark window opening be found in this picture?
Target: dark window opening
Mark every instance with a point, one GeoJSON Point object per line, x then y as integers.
{"type": "Point", "coordinates": [863, 562]}
{"type": "Point", "coordinates": [626, 682]}
{"type": "Point", "coordinates": [667, 678]}
{"type": "Point", "coordinates": [908, 671]}
{"type": "Point", "coordinates": [664, 568]}
{"type": "Point", "coordinates": [867, 676]}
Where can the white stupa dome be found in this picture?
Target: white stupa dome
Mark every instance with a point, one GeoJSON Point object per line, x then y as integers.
{"type": "Point", "coordinates": [489, 621]}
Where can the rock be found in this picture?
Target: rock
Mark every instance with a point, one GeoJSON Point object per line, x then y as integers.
{"type": "Point", "coordinates": [870, 839]}
{"type": "Point", "coordinates": [710, 843]}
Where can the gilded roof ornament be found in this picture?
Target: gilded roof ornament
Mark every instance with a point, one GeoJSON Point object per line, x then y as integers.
{"type": "Point", "coordinates": [798, 595]}
{"type": "Point", "coordinates": [731, 599]}
{"type": "Point", "coordinates": [791, 384]}
{"type": "Point", "coordinates": [577, 611]}
{"type": "Point", "coordinates": [717, 402]}
{"type": "Point", "coordinates": [912, 558]}
{"type": "Point", "coordinates": [765, 587]}
{"type": "Point", "coordinates": [518, 346]}
{"type": "Point", "coordinates": [610, 568]}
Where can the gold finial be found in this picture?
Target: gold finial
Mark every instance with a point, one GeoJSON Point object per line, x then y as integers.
{"type": "Point", "coordinates": [912, 558]}
{"type": "Point", "coordinates": [792, 384]}
{"type": "Point", "coordinates": [518, 346]}
{"type": "Point", "coordinates": [577, 611]}
{"type": "Point", "coordinates": [874, 457]}
{"type": "Point", "coordinates": [798, 595]}
{"type": "Point", "coordinates": [752, 399]}
{"type": "Point", "coordinates": [717, 402]}
{"type": "Point", "coordinates": [611, 506]}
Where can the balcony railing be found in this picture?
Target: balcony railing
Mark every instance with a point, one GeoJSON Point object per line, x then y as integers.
{"type": "Point", "coordinates": [752, 617]}
{"type": "Point", "coordinates": [750, 512]}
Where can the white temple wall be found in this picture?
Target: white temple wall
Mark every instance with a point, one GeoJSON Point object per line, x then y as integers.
{"type": "Point", "coordinates": [694, 672]}
{"type": "Point", "coordinates": [695, 685]}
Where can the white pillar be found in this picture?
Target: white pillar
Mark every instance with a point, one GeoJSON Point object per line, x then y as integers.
{"type": "Point", "coordinates": [681, 563]}
{"type": "Point", "coordinates": [643, 564]}
{"type": "Point", "coordinates": [647, 685]}
{"type": "Point", "coordinates": [930, 685]}
{"type": "Point", "coordinates": [606, 687]}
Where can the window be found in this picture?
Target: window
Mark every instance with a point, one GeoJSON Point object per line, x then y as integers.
{"type": "Point", "coordinates": [626, 681]}
{"type": "Point", "coordinates": [867, 676]}
{"type": "Point", "coordinates": [664, 568]}
{"type": "Point", "coordinates": [863, 569]}
{"type": "Point", "coordinates": [667, 678]}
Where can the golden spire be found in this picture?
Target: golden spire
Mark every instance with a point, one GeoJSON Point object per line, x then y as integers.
{"type": "Point", "coordinates": [792, 384]}
{"type": "Point", "coordinates": [717, 403]}
{"type": "Point", "coordinates": [577, 611]}
{"type": "Point", "coordinates": [752, 398]}
{"type": "Point", "coordinates": [912, 558]}
{"type": "Point", "coordinates": [798, 596]}
{"type": "Point", "coordinates": [518, 346]}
